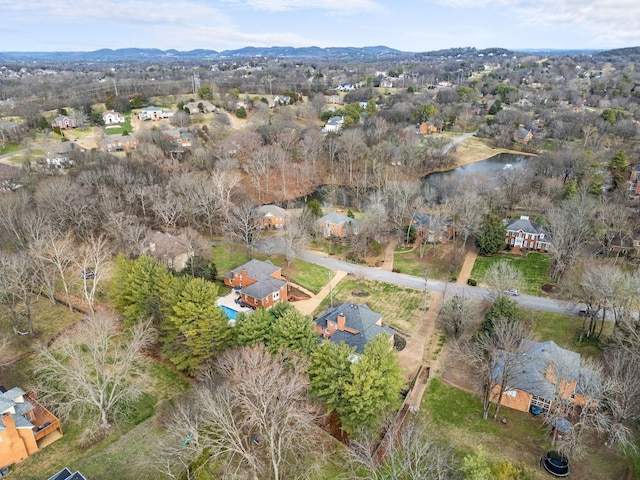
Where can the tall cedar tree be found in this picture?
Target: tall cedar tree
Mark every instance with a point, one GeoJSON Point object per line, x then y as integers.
{"type": "Point", "coordinates": [491, 238]}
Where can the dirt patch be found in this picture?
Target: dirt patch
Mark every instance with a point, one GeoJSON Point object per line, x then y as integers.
{"type": "Point", "coordinates": [296, 295]}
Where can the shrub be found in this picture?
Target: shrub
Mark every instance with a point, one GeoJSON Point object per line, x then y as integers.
{"type": "Point", "coordinates": [472, 282]}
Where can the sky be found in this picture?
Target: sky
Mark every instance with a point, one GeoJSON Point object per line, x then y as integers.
{"type": "Point", "coordinates": [408, 25]}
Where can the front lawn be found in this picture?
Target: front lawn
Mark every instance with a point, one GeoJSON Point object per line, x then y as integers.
{"type": "Point", "coordinates": [399, 306]}
{"type": "Point", "coordinates": [10, 148]}
{"type": "Point", "coordinates": [227, 256]}
{"type": "Point", "coordinates": [442, 262]}
{"type": "Point", "coordinates": [522, 439]}
{"type": "Point", "coordinates": [565, 331]}
{"type": "Point", "coordinates": [534, 267]}
{"type": "Point", "coordinates": [120, 128]}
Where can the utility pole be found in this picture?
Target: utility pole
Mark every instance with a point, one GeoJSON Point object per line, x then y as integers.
{"type": "Point", "coordinates": [426, 290]}
{"type": "Point", "coordinates": [115, 87]}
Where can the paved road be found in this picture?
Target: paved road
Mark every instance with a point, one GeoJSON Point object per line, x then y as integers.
{"type": "Point", "coordinates": [273, 245]}
{"type": "Point", "coordinates": [457, 140]}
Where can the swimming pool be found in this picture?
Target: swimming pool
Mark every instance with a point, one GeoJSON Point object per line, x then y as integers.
{"type": "Point", "coordinates": [229, 312]}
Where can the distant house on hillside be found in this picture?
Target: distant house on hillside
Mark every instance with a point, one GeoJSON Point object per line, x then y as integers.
{"type": "Point", "coordinates": [337, 225]}
{"type": "Point", "coordinates": [174, 251]}
{"type": "Point", "coordinates": [111, 117]}
{"type": "Point", "coordinates": [273, 216]}
{"type": "Point", "coordinates": [119, 143]}
{"type": "Point", "coordinates": [63, 122]}
{"type": "Point", "coordinates": [355, 325]}
{"type": "Point", "coordinates": [333, 125]}
{"type": "Point", "coordinates": [154, 113]}
{"type": "Point", "coordinates": [202, 106]}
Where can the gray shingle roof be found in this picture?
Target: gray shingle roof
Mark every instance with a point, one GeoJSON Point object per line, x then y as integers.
{"type": "Point", "coordinates": [539, 355]}
{"type": "Point", "coordinates": [272, 211]}
{"type": "Point", "coordinates": [357, 317]}
{"type": "Point", "coordinates": [21, 422]}
{"type": "Point", "coordinates": [256, 269]}
{"type": "Point", "coordinates": [338, 219]}
{"type": "Point", "coordinates": [527, 226]}
{"type": "Point", "coordinates": [65, 474]}
{"type": "Point", "coordinates": [263, 288]}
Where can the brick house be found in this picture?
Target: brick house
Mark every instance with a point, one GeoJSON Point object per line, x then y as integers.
{"type": "Point", "coordinates": [23, 423]}
{"type": "Point", "coordinates": [634, 181]}
{"type": "Point", "coordinates": [272, 216]}
{"type": "Point", "coordinates": [119, 143]}
{"type": "Point", "coordinates": [259, 283]}
{"type": "Point", "coordinates": [432, 228]}
{"type": "Point", "coordinates": [547, 372]}
{"type": "Point", "coordinates": [63, 122]}
{"type": "Point", "coordinates": [179, 139]}
{"type": "Point", "coordinates": [355, 325]}
{"type": "Point", "coordinates": [523, 136]}
{"type": "Point", "coordinates": [337, 225]}
{"type": "Point", "coordinates": [524, 234]}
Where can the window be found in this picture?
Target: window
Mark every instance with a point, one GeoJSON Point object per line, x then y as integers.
{"type": "Point", "coordinates": [276, 295]}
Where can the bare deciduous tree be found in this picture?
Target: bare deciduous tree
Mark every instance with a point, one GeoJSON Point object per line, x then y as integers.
{"type": "Point", "coordinates": [253, 418]}
{"type": "Point", "coordinates": [457, 315]}
{"type": "Point", "coordinates": [92, 262]}
{"type": "Point", "coordinates": [242, 223]}
{"type": "Point", "coordinates": [502, 276]}
{"type": "Point", "coordinates": [94, 374]}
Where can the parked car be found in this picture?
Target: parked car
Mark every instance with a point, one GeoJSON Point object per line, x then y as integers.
{"type": "Point", "coordinates": [512, 291]}
{"type": "Point", "coordinates": [88, 274]}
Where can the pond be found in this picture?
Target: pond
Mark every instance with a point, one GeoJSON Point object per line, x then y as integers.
{"type": "Point", "coordinates": [342, 195]}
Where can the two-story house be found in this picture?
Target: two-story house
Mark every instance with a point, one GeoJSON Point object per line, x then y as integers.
{"type": "Point", "coordinates": [355, 325]}
{"type": "Point", "coordinates": [272, 216]}
{"type": "Point", "coordinates": [524, 234]}
{"type": "Point", "coordinates": [337, 225]}
{"type": "Point", "coordinates": [333, 125]}
{"type": "Point", "coordinates": [111, 117]}
{"type": "Point", "coordinates": [545, 374]}
{"type": "Point", "coordinates": [23, 423]}
{"type": "Point", "coordinates": [259, 283]}
{"type": "Point", "coordinates": [432, 228]}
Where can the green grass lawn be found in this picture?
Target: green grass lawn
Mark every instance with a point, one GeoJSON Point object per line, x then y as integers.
{"type": "Point", "coordinates": [119, 128]}
{"type": "Point", "coordinates": [534, 268]}
{"type": "Point", "coordinates": [10, 148]}
{"type": "Point", "coordinates": [564, 330]}
{"type": "Point", "coordinates": [125, 454]}
{"type": "Point", "coordinates": [458, 415]}
{"type": "Point", "coordinates": [399, 306]}
{"type": "Point", "coordinates": [438, 262]}
{"type": "Point", "coordinates": [313, 277]}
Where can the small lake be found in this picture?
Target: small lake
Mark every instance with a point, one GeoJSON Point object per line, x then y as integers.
{"type": "Point", "coordinates": [341, 195]}
{"type": "Point", "coordinates": [502, 161]}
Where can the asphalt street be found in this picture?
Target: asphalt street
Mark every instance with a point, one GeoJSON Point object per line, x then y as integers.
{"type": "Point", "coordinates": [273, 245]}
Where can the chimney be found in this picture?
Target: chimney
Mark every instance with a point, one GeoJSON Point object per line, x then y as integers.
{"type": "Point", "coordinates": [243, 273]}
{"type": "Point", "coordinates": [342, 320]}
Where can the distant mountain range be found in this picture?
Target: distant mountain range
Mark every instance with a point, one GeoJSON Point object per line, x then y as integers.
{"type": "Point", "coordinates": [332, 53]}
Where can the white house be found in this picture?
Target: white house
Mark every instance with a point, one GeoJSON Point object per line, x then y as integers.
{"type": "Point", "coordinates": [154, 113]}
{"type": "Point", "coordinates": [110, 117]}
{"type": "Point", "coordinates": [334, 124]}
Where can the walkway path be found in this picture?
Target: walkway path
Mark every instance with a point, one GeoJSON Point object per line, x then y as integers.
{"type": "Point", "coordinates": [421, 338]}
{"type": "Point", "coordinates": [387, 259]}
{"type": "Point", "coordinates": [467, 266]}
{"type": "Point", "coordinates": [307, 307]}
